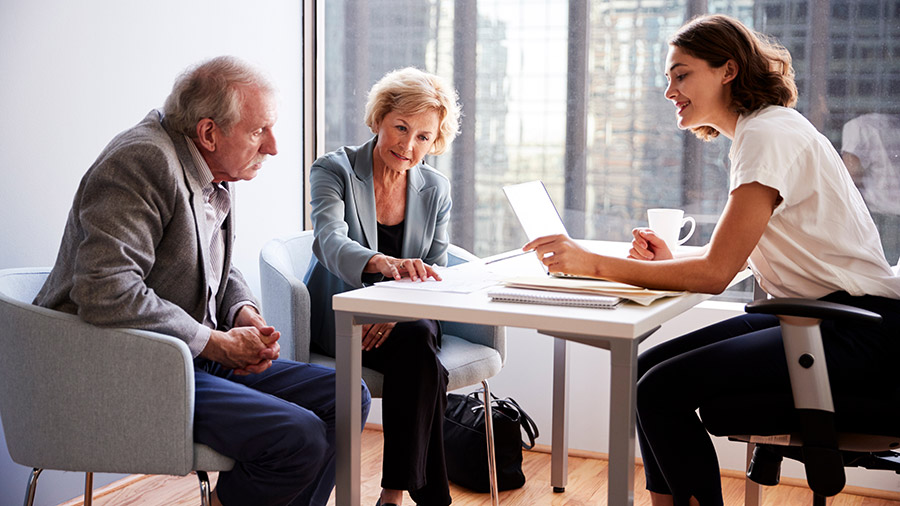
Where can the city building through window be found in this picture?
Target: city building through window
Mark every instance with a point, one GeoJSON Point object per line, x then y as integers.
{"type": "Point", "coordinates": [572, 93]}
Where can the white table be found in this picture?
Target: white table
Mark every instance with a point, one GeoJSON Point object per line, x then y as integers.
{"type": "Point", "coordinates": [619, 330]}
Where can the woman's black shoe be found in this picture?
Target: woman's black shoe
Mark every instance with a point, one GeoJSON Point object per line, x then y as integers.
{"type": "Point", "coordinates": [385, 504]}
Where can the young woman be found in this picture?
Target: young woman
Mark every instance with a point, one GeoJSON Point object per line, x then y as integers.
{"type": "Point", "coordinates": [792, 213]}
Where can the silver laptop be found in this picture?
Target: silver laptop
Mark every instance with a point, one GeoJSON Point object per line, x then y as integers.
{"type": "Point", "coordinates": [536, 213]}
{"type": "Point", "coordinates": [535, 210]}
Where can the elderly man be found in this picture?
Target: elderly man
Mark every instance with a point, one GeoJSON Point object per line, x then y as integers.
{"type": "Point", "coordinates": [148, 245]}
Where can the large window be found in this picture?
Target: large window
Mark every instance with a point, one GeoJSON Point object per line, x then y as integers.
{"type": "Point", "coordinates": [572, 93]}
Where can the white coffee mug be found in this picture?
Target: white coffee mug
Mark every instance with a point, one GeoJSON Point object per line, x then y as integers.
{"type": "Point", "coordinates": [667, 224]}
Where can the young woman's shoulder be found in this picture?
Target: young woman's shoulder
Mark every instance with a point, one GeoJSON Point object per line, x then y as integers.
{"type": "Point", "coordinates": [766, 143]}
{"type": "Point", "coordinates": [774, 122]}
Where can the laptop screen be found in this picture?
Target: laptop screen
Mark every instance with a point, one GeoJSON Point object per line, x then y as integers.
{"type": "Point", "coordinates": [535, 210]}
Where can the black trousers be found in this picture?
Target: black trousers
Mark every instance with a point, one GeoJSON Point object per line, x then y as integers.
{"type": "Point", "coordinates": [413, 402]}
{"type": "Point", "coordinates": [744, 355]}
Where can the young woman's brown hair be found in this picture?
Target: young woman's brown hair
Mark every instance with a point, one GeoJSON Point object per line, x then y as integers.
{"type": "Point", "coordinates": [765, 75]}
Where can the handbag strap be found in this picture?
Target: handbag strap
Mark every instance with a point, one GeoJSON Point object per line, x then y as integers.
{"type": "Point", "coordinates": [527, 423]}
{"type": "Point", "coordinates": [474, 394]}
{"type": "Point", "coordinates": [457, 412]}
{"type": "Point", "coordinates": [525, 420]}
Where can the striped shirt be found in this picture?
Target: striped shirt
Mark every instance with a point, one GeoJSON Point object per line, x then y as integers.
{"type": "Point", "coordinates": [216, 206]}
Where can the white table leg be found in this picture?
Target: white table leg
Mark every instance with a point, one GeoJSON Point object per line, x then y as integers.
{"type": "Point", "coordinates": [348, 398]}
{"type": "Point", "coordinates": [623, 358]}
{"type": "Point", "coordinates": [559, 460]}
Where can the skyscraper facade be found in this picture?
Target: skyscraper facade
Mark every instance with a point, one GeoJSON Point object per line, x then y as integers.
{"type": "Point", "coordinates": [541, 81]}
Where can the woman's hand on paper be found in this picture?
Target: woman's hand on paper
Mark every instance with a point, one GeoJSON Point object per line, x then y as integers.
{"type": "Point", "coordinates": [399, 268]}
{"type": "Point", "coordinates": [646, 245]}
{"type": "Point", "coordinates": [375, 334]}
{"type": "Point", "coordinates": [562, 254]}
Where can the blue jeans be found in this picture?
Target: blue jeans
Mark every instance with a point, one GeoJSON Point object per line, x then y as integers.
{"type": "Point", "coordinates": [278, 426]}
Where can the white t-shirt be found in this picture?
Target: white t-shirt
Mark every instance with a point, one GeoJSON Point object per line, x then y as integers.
{"type": "Point", "coordinates": [875, 140]}
{"type": "Point", "coordinates": [820, 238]}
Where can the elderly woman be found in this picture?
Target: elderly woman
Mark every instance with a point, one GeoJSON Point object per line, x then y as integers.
{"type": "Point", "coordinates": [378, 211]}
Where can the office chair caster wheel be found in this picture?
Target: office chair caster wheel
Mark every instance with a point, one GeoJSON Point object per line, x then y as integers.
{"type": "Point", "coordinates": [765, 466]}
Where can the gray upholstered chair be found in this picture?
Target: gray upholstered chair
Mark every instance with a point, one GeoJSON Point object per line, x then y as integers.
{"type": "Point", "coordinates": [76, 397]}
{"type": "Point", "coordinates": [470, 353]}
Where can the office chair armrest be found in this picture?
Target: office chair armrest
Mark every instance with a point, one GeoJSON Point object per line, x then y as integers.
{"type": "Point", "coordinates": [77, 397]}
{"type": "Point", "coordinates": [803, 346]}
{"type": "Point", "coordinates": [810, 308]}
{"type": "Point", "coordinates": [285, 303]}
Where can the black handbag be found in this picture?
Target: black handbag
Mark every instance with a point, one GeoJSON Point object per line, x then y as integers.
{"type": "Point", "coordinates": [466, 446]}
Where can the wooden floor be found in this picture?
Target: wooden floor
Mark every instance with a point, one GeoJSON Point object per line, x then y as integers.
{"type": "Point", "coordinates": [586, 486]}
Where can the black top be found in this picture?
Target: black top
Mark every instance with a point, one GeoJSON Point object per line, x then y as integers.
{"type": "Point", "coordinates": [390, 239]}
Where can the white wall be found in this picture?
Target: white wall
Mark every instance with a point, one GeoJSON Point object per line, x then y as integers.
{"type": "Point", "coordinates": [73, 74]}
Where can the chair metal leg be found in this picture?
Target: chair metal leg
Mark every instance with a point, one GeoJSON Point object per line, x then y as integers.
{"type": "Point", "coordinates": [752, 490]}
{"type": "Point", "coordinates": [88, 489]}
{"type": "Point", "coordinates": [489, 434]}
{"type": "Point", "coordinates": [205, 492]}
{"type": "Point", "coordinates": [32, 486]}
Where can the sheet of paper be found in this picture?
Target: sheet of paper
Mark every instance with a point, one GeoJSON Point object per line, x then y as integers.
{"type": "Point", "coordinates": [463, 278]}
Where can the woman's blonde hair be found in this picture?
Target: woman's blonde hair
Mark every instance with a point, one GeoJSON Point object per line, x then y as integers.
{"type": "Point", "coordinates": [765, 75]}
{"type": "Point", "coordinates": [412, 91]}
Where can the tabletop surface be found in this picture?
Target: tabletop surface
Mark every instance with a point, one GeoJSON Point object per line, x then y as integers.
{"type": "Point", "coordinates": [628, 320]}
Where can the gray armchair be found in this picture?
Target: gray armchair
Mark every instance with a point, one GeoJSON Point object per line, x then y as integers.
{"type": "Point", "coordinates": [76, 397]}
{"type": "Point", "coordinates": [470, 353]}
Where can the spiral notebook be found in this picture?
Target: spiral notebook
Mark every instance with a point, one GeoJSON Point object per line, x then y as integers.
{"type": "Point", "coordinates": [524, 295]}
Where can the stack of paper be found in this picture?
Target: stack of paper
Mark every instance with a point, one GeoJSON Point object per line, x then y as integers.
{"type": "Point", "coordinates": [643, 296]}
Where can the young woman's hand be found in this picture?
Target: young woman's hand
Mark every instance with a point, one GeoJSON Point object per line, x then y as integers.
{"type": "Point", "coordinates": [646, 245]}
{"type": "Point", "coordinates": [562, 254]}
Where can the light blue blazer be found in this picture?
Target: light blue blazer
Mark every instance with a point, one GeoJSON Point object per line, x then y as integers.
{"type": "Point", "coordinates": [346, 231]}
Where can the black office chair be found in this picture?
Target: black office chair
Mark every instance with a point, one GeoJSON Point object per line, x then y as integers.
{"type": "Point", "coordinates": [824, 432]}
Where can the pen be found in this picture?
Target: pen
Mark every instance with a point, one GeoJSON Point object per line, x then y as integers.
{"type": "Point", "coordinates": [520, 253]}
